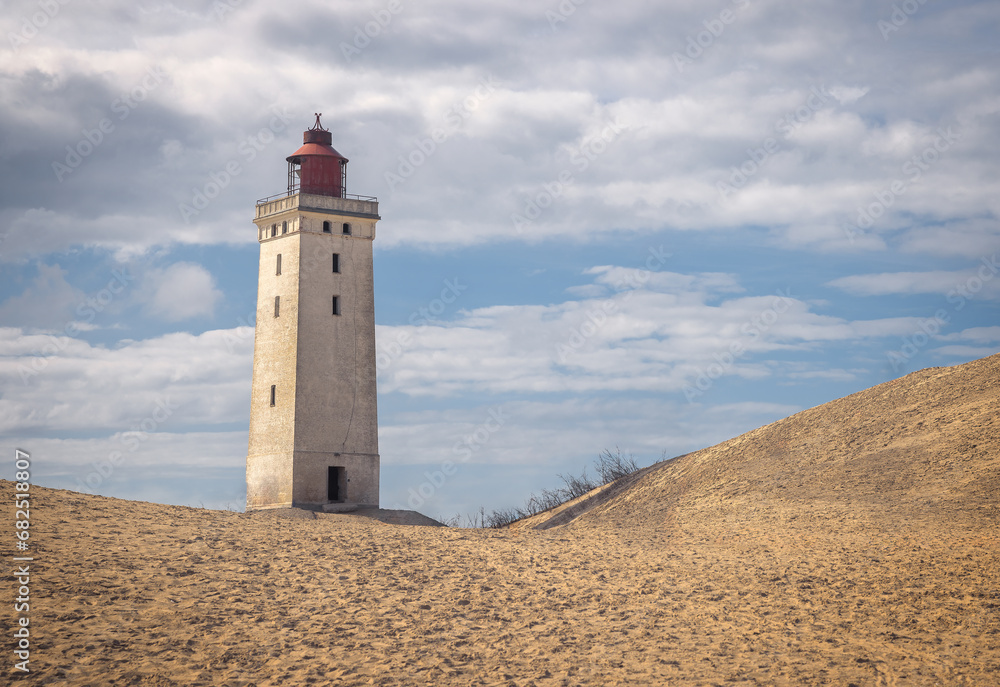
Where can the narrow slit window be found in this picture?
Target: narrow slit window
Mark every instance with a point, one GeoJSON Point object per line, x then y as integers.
{"type": "Point", "coordinates": [273, 387]}
{"type": "Point", "coordinates": [336, 305]}
{"type": "Point", "coordinates": [284, 227]}
{"type": "Point", "coordinates": [347, 229]}
{"type": "Point", "coordinates": [277, 267]}
{"type": "Point", "coordinates": [336, 262]}
{"type": "Point", "coordinates": [274, 230]}
{"type": "Point", "coordinates": [326, 228]}
{"type": "Point", "coordinates": [277, 304]}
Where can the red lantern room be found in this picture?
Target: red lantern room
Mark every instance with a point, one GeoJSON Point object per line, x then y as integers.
{"type": "Point", "coordinates": [316, 167]}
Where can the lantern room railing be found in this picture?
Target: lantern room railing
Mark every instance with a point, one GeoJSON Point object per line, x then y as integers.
{"type": "Point", "coordinates": [286, 194]}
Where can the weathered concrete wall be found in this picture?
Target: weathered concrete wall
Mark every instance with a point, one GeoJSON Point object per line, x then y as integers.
{"type": "Point", "coordinates": [310, 477]}
{"type": "Point", "coordinates": [269, 480]}
{"type": "Point", "coordinates": [336, 405]}
{"type": "Point", "coordinates": [272, 429]}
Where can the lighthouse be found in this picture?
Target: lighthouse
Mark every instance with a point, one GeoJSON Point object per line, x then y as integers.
{"type": "Point", "coordinates": [313, 410]}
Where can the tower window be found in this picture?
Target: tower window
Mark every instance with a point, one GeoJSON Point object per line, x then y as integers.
{"type": "Point", "coordinates": [336, 305]}
{"type": "Point", "coordinates": [277, 302]}
{"type": "Point", "coordinates": [336, 262]}
{"type": "Point", "coordinates": [274, 230]}
{"type": "Point", "coordinates": [326, 227]}
{"type": "Point", "coordinates": [284, 227]}
{"type": "Point", "coordinates": [347, 229]}
{"type": "Point", "coordinates": [273, 386]}
{"type": "Point", "coordinates": [277, 267]}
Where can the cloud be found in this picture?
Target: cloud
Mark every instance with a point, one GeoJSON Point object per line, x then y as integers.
{"type": "Point", "coordinates": [38, 232]}
{"type": "Point", "coordinates": [657, 331]}
{"type": "Point", "coordinates": [550, 432]}
{"type": "Point", "coordinates": [154, 465]}
{"type": "Point", "coordinates": [975, 334]}
{"type": "Point", "coordinates": [898, 282]}
{"type": "Point", "coordinates": [978, 282]}
{"type": "Point", "coordinates": [213, 93]}
{"type": "Point", "coordinates": [659, 336]}
{"type": "Point", "coordinates": [181, 291]}
{"type": "Point", "coordinates": [495, 455]}
{"type": "Point", "coordinates": [968, 238]}
{"type": "Point", "coordinates": [965, 352]}
{"type": "Point", "coordinates": [77, 457]}
{"type": "Point", "coordinates": [49, 302]}
{"type": "Point", "coordinates": [58, 383]}
{"type": "Point", "coordinates": [848, 94]}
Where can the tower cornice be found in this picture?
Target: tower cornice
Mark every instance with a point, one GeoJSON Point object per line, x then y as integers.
{"type": "Point", "coordinates": [359, 206]}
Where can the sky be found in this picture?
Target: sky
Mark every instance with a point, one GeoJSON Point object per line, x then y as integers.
{"type": "Point", "coordinates": [638, 226]}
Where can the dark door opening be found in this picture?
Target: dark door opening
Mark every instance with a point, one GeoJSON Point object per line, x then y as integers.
{"type": "Point", "coordinates": [335, 484]}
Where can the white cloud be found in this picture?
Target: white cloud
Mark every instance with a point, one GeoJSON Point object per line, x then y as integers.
{"type": "Point", "coordinates": [897, 282]}
{"type": "Point", "coordinates": [77, 458]}
{"type": "Point", "coordinates": [975, 334]}
{"type": "Point", "coordinates": [540, 432]}
{"type": "Point", "coordinates": [981, 282]}
{"type": "Point", "coordinates": [48, 302]}
{"type": "Point", "coordinates": [966, 352]}
{"type": "Point", "coordinates": [846, 95]}
{"type": "Point", "coordinates": [57, 383]}
{"type": "Point", "coordinates": [975, 239]}
{"type": "Point", "coordinates": [38, 231]}
{"type": "Point", "coordinates": [660, 336]}
{"type": "Point", "coordinates": [181, 291]}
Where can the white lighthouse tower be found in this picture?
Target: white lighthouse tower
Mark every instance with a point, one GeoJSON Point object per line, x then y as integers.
{"type": "Point", "coordinates": [313, 412]}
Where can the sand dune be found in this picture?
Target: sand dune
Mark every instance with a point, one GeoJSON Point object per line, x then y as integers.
{"type": "Point", "coordinates": [853, 543]}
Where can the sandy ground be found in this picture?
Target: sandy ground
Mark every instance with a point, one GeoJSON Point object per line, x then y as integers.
{"type": "Point", "coordinates": [855, 543]}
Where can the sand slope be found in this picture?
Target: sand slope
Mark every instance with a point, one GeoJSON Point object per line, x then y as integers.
{"type": "Point", "coordinates": [921, 447]}
{"type": "Point", "coordinates": [854, 543]}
